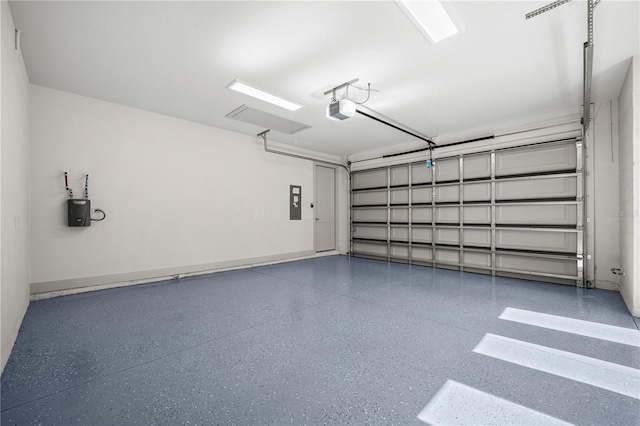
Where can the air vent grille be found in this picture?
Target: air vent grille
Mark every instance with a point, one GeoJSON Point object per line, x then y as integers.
{"type": "Point", "coordinates": [266, 120]}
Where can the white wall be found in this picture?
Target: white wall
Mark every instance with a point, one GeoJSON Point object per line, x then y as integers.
{"type": "Point", "coordinates": [14, 187]}
{"type": "Point", "coordinates": [602, 196]}
{"type": "Point", "coordinates": [180, 197]}
{"type": "Point", "coordinates": [629, 195]}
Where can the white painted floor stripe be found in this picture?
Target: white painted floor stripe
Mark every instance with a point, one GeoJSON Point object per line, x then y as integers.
{"type": "Point", "coordinates": [627, 336]}
{"type": "Point", "coordinates": [458, 404]}
{"type": "Point", "coordinates": [607, 375]}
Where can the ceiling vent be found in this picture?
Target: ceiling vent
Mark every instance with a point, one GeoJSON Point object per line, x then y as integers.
{"type": "Point", "coordinates": [266, 120]}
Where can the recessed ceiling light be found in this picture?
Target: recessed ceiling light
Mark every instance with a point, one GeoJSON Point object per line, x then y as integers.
{"type": "Point", "coordinates": [241, 87]}
{"type": "Point", "coordinates": [430, 17]}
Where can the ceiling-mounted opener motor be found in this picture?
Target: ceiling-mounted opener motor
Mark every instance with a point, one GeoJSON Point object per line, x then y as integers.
{"type": "Point", "coordinates": [78, 209]}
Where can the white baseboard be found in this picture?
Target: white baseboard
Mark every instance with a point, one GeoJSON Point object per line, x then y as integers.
{"type": "Point", "coordinates": [49, 289]}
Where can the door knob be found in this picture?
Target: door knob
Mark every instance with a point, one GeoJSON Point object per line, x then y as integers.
{"type": "Point", "coordinates": [317, 218]}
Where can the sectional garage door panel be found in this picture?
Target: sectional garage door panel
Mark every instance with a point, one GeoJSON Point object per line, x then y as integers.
{"type": "Point", "coordinates": [399, 175]}
{"type": "Point", "coordinates": [447, 214]}
{"type": "Point", "coordinates": [470, 237]}
{"type": "Point", "coordinates": [421, 235]}
{"type": "Point", "coordinates": [476, 192]}
{"type": "Point", "coordinates": [540, 241]}
{"type": "Point", "coordinates": [371, 248]}
{"type": "Point", "coordinates": [400, 252]}
{"type": "Point", "coordinates": [421, 214]}
{"type": "Point", "coordinates": [399, 196]}
{"type": "Point", "coordinates": [377, 215]}
{"type": "Point", "coordinates": [421, 195]}
{"type": "Point", "coordinates": [399, 215]}
{"type": "Point", "coordinates": [478, 260]}
{"type": "Point", "coordinates": [477, 166]}
{"type": "Point", "coordinates": [420, 174]}
{"type": "Point", "coordinates": [536, 159]}
{"type": "Point", "coordinates": [448, 256]}
{"type": "Point", "coordinates": [477, 214]}
{"type": "Point", "coordinates": [514, 262]}
{"type": "Point", "coordinates": [421, 254]}
{"type": "Point", "coordinates": [447, 194]}
{"type": "Point", "coordinates": [476, 237]}
{"type": "Point", "coordinates": [399, 233]}
{"type": "Point", "coordinates": [537, 214]}
{"type": "Point", "coordinates": [370, 232]}
{"type": "Point", "coordinates": [511, 212]}
{"type": "Point", "coordinates": [369, 179]}
{"type": "Point", "coordinates": [537, 188]}
{"type": "Point", "coordinates": [447, 170]}
{"type": "Point", "coordinates": [370, 198]}
{"type": "Point", "coordinates": [449, 236]}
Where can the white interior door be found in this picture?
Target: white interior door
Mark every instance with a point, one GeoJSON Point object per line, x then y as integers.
{"type": "Point", "coordinates": [325, 208]}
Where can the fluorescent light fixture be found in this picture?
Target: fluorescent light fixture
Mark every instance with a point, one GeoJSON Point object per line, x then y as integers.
{"type": "Point", "coordinates": [430, 17]}
{"type": "Point", "coordinates": [241, 87]}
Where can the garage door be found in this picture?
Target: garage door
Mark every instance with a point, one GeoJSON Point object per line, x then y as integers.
{"type": "Point", "coordinates": [511, 212]}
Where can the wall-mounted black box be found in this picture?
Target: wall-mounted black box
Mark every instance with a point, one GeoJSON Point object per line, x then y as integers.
{"type": "Point", "coordinates": [79, 212]}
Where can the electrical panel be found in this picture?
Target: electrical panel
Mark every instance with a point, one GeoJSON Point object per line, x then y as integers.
{"type": "Point", "coordinates": [295, 202]}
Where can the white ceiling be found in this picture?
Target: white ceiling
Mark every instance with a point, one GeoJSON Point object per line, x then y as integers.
{"type": "Point", "coordinates": [176, 58]}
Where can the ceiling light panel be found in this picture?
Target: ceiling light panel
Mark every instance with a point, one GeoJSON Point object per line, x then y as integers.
{"type": "Point", "coordinates": [431, 18]}
{"type": "Point", "coordinates": [247, 89]}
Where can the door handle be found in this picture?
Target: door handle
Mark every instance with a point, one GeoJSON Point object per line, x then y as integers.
{"type": "Point", "coordinates": [317, 218]}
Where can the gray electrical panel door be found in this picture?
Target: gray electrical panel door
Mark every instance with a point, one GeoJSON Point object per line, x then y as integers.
{"type": "Point", "coordinates": [513, 212]}
{"type": "Point", "coordinates": [295, 202]}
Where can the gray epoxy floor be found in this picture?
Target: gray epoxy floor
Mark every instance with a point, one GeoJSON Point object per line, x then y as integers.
{"type": "Point", "coordinates": [331, 340]}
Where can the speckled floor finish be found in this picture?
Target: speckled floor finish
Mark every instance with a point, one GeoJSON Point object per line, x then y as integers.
{"type": "Point", "coordinates": [331, 340]}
